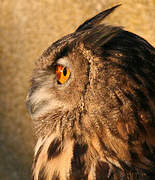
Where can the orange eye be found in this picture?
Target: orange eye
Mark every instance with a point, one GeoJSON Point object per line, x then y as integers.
{"type": "Point", "coordinates": [62, 74]}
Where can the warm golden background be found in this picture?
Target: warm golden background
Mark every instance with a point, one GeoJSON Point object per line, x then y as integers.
{"type": "Point", "coordinates": [27, 27]}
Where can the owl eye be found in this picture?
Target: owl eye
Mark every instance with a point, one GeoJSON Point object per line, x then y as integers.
{"type": "Point", "coordinates": [62, 74]}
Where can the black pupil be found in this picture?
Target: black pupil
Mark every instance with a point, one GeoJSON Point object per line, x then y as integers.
{"type": "Point", "coordinates": [65, 71]}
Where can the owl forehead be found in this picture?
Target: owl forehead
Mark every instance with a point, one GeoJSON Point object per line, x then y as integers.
{"type": "Point", "coordinates": [57, 52]}
{"type": "Point", "coordinates": [78, 42]}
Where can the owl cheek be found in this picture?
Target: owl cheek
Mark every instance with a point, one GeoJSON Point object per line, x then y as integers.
{"type": "Point", "coordinates": [43, 106]}
{"type": "Point", "coordinates": [36, 100]}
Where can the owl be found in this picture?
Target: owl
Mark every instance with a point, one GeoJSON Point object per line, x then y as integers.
{"type": "Point", "coordinates": [92, 102]}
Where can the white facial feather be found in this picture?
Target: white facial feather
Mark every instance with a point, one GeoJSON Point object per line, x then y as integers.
{"type": "Point", "coordinates": [43, 102]}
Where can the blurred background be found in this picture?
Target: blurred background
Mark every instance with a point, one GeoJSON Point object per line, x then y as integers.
{"type": "Point", "coordinates": [27, 27]}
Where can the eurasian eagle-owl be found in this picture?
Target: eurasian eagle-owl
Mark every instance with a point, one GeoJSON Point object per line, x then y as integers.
{"type": "Point", "coordinates": [92, 101]}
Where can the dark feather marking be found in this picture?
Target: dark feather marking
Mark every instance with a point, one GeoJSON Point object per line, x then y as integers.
{"type": "Point", "coordinates": [78, 162]}
{"type": "Point", "coordinates": [32, 178]}
{"type": "Point", "coordinates": [147, 152]}
{"type": "Point", "coordinates": [55, 176]}
{"type": "Point", "coordinates": [102, 171]}
{"type": "Point", "coordinates": [142, 99]}
{"type": "Point", "coordinates": [42, 175]}
{"type": "Point", "coordinates": [106, 149]}
{"type": "Point", "coordinates": [54, 149]}
{"type": "Point", "coordinates": [134, 156]}
{"type": "Point", "coordinates": [80, 149]}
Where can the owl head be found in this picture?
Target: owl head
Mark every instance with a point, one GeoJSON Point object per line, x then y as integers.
{"type": "Point", "coordinates": [96, 88]}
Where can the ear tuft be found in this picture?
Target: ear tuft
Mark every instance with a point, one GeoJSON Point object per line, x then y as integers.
{"type": "Point", "coordinates": [96, 19]}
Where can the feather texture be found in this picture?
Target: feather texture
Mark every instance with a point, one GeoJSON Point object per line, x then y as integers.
{"type": "Point", "coordinates": [100, 123]}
